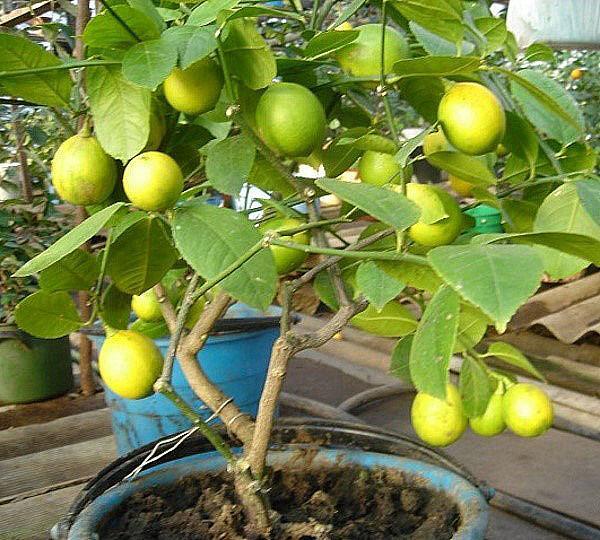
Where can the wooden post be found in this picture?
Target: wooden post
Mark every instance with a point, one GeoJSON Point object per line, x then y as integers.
{"type": "Point", "coordinates": [88, 386]}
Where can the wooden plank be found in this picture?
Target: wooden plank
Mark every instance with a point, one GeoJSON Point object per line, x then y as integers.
{"type": "Point", "coordinates": [32, 519]}
{"type": "Point", "coordinates": [61, 432]}
{"type": "Point", "coordinates": [35, 471]}
{"type": "Point", "coordinates": [24, 14]}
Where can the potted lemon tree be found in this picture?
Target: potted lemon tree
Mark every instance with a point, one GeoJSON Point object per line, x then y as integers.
{"type": "Point", "coordinates": [247, 104]}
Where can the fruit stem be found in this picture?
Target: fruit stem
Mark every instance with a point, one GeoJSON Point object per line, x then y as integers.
{"type": "Point", "coordinates": [229, 86]}
{"type": "Point", "coordinates": [86, 128]}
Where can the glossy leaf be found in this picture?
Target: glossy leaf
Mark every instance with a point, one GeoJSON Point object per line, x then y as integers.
{"type": "Point", "coordinates": [154, 330]}
{"type": "Point", "coordinates": [347, 12]}
{"type": "Point", "coordinates": [437, 45]}
{"type": "Point", "coordinates": [207, 11]}
{"type": "Point", "coordinates": [407, 148]}
{"type": "Point", "coordinates": [266, 177]}
{"type": "Point", "coordinates": [539, 52]}
{"type": "Point", "coordinates": [337, 157]}
{"type": "Point", "coordinates": [493, 29]}
{"type": "Point", "coordinates": [381, 203]}
{"type": "Point", "coordinates": [325, 43]}
{"type": "Point", "coordinates": [437, 66]}
{"type": "Point", "coordinates": [513, 356]}
{"type": "Point", "coordinates": [438, 16]}
{"type": "Point", "coordinates": [77, 271]}
{"type": "Point", "coordinates": [433, 343]}
{"type": "Point", "coordinates": [115, 307]}
{"type": "Point", "coordinates": [229, 162]}
{"type": "Point", "coordinates": [394, 320]}
{"type": "Point", "coordinates": [52, 88]}
{"type": "Point", "coordinates": [193, 42]}
{"type": "Point", "coordinates": [141, 256]}
{"type": "Point", "coordinates": [472, 326]}
{"type": "Point", "coordinates": [149, 63]}
{"type": "Point", "coordinates": [399, 362]}
{"type": "Point", "coordinates": [589, 195]}
{"type": "Point", "coordinates": [485, 276]}
{"type": "Point", "coordinates": [424, 94]}
{"type": "Point", "coordinates": [70, 241]}
{"type": "Point", "coordinates": [467, 168]}
{"type": "Point", "coordinates": [419, 276]}
{"type": "Point", "coordinates": [377, 286]}
{"type": "Point", "coordinates": [562, 211]}
{"type": "Point", "coordinates": [475, 387]}
{"type": "Point", "coordinates": [148, 8]}
{"type": "Point", "coordinates": [211, 239]}
{"type": "Point", "coordinates": [48, 314]}
{"type": "Point", "coordinates": [520, 138]}
{"type": "Point", "coordinates": [121, 111]}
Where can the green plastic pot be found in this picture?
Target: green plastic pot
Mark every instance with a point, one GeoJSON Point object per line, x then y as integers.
{"type": "Point", "coordinates": [487, 220]}
{"type": "Point", "coordinates": [33, 369]}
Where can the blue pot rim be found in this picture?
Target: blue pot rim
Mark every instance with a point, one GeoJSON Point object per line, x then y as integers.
{"type": "Point", "coordinates": [472, 506]}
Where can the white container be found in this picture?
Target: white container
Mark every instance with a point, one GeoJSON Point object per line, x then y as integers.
{"type": "Point", "coordinates": [562, 24]}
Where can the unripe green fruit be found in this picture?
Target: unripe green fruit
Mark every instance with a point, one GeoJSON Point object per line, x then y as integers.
{"type": "Point", "coordinates": [287, 259]}
{"type": "Point", "coordinates": [82, 172]}
{"type": "Point", "coordinates": [195, 89]}
{"type": "Point", "coordinates": [379, 168]}
{"type": "Point", "coordinates": [146, 306]}
{"type": "Point", "coordinates": [491, 422]}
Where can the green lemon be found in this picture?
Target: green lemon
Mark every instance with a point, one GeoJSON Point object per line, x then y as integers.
{"type": "Point", "coordinates": [287, 259]}
{"type": "Point", "coordinates": [436, 421]}
{"type": "Point", "coordinates": [527, 410]}
{"type": "Point", "coordinates": [153, 181]}
{"type": "Point", "coordinates": [472, 118]}
{"type": "Point", "coordinates": [378, 168]}
{"type": "Point", "coordinates": [158, 129]}
{"type": "Point", "coordinates": [290, 119]}
{"type": "Point", "coordinates": [82, 172]}
{"type": "Point", "coordinates": [195, 89]}
{"type": "Point", "coordinates": [362, 57]}
{"type": "Point", "coordinates": [441, 232]}
{"type": "Point", "coordinates": [491, 422]}
{"type": "Point", "coordinates": [129, 364]}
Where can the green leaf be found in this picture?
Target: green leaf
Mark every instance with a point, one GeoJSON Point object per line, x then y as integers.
{"type": "Point", "coordinates": [475, 387]}
{"type": "Point", "coordinates": [193, 42]}
{"type": "Point", "coordinates": [433, 343]}
{"type": "Point", "coordinates": [210, 239]}
{"type": "Point", "coordinates": [518, 215]}
{"type": "Point", "coordinates": [121, 112]}
{"type": "Point", "coordinates": [377, 286]}
{"type": "Point", "coordinates": [407, 148]}
{"type": "Point", "coordinates": [438, 16]}
{"type": "Point", "coordinates": [77, 271]}
{"type": "Point", "coordinates": [337, 157]}
{"type": "Point", "coordinates": [154, 330]}
{"type": "Point", "coordinates": [262, 11]}
{"type": "Point", "coordinates": [69, 242]}
{"type": "Point", "coordinates": [472, 325]}
{"type": "Point", "coordinates": [266, 177]}
{"type": "Point", "coordinates": [423, 94]}
{"type": "Point", "coordinates": [48, 314]}
{"type": "Point", "coordinates": [346, 13]}
{"type": "Point", "coordinates": [589, 195]}
{"type": "Point", "coordinates": [207, 11]}
{"type": "Point", "coordinates": [369, 141]}
{"type": "Point", "coordinates": [325, 43]}
{"type": "Point", "coordinates": [416, 275]}
{"type": "Point", "coordinates": [248, 55]}
{"type": "Point", "coordinates": [141, 256]}
{"type": "Point", "coordinates": [562, 211]}
{"type": "Point", "coordinates": [513, 356]}
{"type": "Point", "coordinates": [105, 32]}
{"type": "Point", "coordinates": [520, 138]}
{"type": "Point", "coordinates": [52, 88]}
{"type": "Point", "coordinates": [381, 203]}
{"type": "Point", "coordinates": [394, 320]}
{"type": "Point", "coordinates": [147, 7]}
{"type": "Point", "coordinates": [123, 221]}
{"type": "Point", "coordinates": [116, 307]}
{"type": "Point", "coordinates": [547, 105]}
{"type": "Point", "coordinates": [399, 362]}
{"type": "Point", "coordinates": [485, 276]}
{"type": "Point", "coordinates": [436, 45]}
{"type": "Point", "coordinates": [539, 52]}
{"type": "Point", "coordinates": [493, 30]}
{"type": "Point", "coordinates": [437, 66]}
{"type": "Point", "coordinates": [229, 162]}
{"type": "Point", "coordinates": [149, 63]}
{"type": "Point", "coordinates": [467, 168]}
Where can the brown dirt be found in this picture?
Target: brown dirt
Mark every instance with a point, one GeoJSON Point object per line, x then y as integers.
{"type": "Point", "coordinates": [332, 503]}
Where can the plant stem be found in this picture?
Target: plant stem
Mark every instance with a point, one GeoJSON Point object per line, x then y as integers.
{"type": "Point", "coordinates": [375, 255]}
{"type": "Point", "coordinates": [229, 86]}
{"type": "Point", "coordinates": [59, 67]}
{"type": "Point", "coordinates": [312, 225]}
{"type": "Point", "coordinates": [212, 435]}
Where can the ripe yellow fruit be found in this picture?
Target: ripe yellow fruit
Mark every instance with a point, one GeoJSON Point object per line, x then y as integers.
{"type": "Point", "coordinates": [378, 168]}
{"type": "Point", "coordinates": [441, 232]}
{"type": "Point", "coordinates": [465, 189]}
{"type": "Point", "coordinates": [146, 306]}
{"type": "Point", "coordinates": [195, 89]}
{"type": "Point", "coordinates": [291, 119]}
{"type": "Point", "coordinates": [472, 118]}
{"type": "Point", "coordinates": [362, 57]}
{"type": "Point", "coordinates": [153, 181]}
{"type": "Point", "coordinates": [158, 129]}
{"type": "Point", "coordinates": [527, 410]}
{"type": "Point", "coordinates": [491, 422]}
{"type": "Point", "coordinates": [82, 172]}
{"type": "Point", "coordinates": [435, 142]}
{"type": "Point", "coordinates": [129, 364]}
{"type": "Point", "coordinates": [576, 74]}
{"type": "Point", "coordinates": [344, 26]}
{"type": "Point", "coordinates": [287, 259]}
{"type": "Point", "coordinates": [436, 421]}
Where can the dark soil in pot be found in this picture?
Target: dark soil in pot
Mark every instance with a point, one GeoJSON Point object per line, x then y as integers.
{"type": "Point", "coordinates": [329, 503]}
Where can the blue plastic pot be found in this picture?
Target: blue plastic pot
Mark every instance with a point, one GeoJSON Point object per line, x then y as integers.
{"type": "Point", "coordinates": [234, 360]}
{"type": "Point", "coordinates": [345, 442]}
